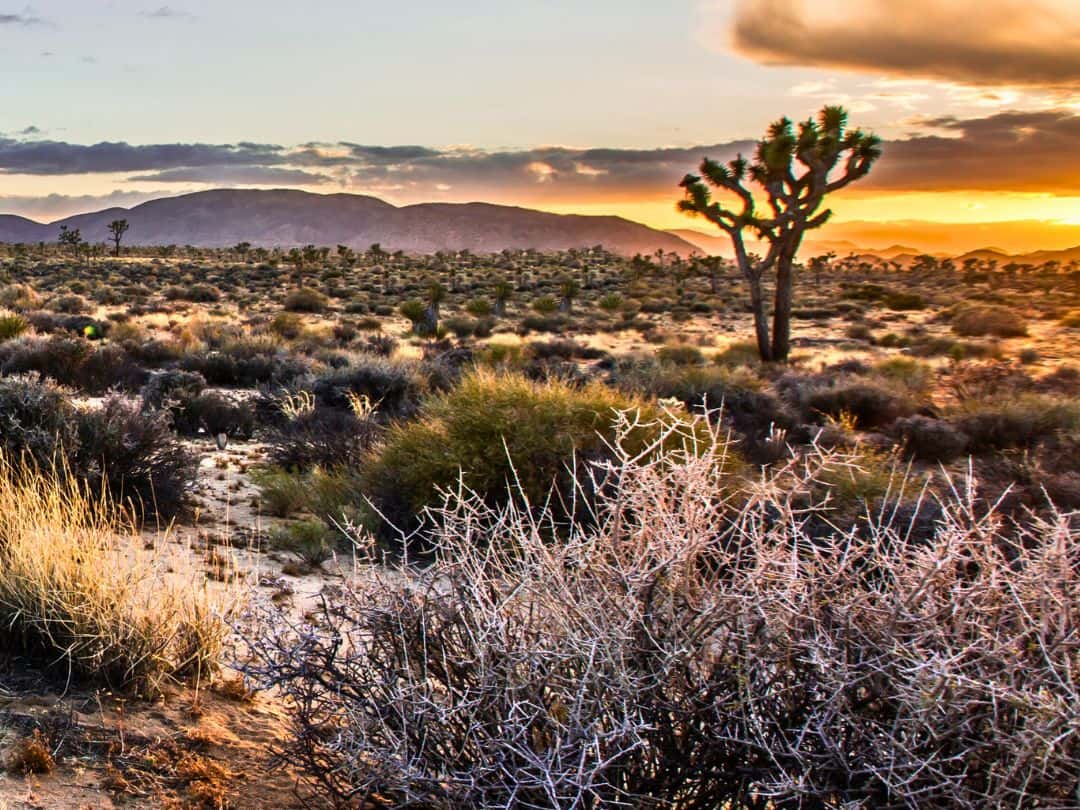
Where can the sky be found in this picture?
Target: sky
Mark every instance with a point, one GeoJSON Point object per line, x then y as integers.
{"type": "Point", "coordinates": [575, 106]}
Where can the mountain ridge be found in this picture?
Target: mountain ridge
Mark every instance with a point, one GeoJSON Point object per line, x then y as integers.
{"type": "Point", "coordinates": [289, 217]}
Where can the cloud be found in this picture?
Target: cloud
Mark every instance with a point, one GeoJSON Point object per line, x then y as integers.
{"type": "Point", "coordinates": [168, 13]}
{"type": "Point", "coordinates": [21, 19]}
{"type": "Point", "coordinates": [1030, 151]}
{"type": "Point", "coordinates": [1031, 43]}
{"type": "Point", "coordinates": [44, 157]}
{"type": "Point", "coordinates": [1009, 151]}
{"type": "Point", "coordinates": [235, 175]}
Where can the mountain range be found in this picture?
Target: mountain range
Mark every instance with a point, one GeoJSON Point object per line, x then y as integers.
{"type": "Point", "coordinates": [288, 218]}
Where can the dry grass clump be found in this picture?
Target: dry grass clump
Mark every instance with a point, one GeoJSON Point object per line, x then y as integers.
{"type": "Point", "coordinates": [988, 319]}
{"type": "Point", "coordinates": [78, 588]}
{"type": "Point", "coordinates": [682, 649]}
{"type": "Point", "coordinates": [31, 755]}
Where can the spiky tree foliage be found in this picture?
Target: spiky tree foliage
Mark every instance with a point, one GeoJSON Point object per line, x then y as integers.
{"type": "Point", "coordinates": [117, 229]}
{"type": "Point", "coordinates": [436, 294]}
{"type": "Point", "coordinates": [569, 289]}
{"type": "Point", "coordinates": [795, 171]}
{"type": "Point", "coordinates": [502, 291]}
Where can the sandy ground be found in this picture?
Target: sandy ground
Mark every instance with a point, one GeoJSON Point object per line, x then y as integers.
{"type": "Point", "coordinates": [113, 752]}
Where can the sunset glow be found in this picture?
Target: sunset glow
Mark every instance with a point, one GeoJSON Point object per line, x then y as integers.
{"type": "Point", "coordinates": [457, 109]}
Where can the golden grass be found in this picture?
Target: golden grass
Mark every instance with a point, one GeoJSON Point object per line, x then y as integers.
{"type": "Point", "coordinates": [79, 587]}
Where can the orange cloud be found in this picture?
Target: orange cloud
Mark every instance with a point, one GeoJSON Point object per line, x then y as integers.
{"type": "Point", "coordinates": [1033, 43]}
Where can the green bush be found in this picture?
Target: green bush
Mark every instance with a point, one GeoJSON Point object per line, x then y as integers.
{"type": "Point", "coordinates": [680, 354]}
{"type": "Point", "coordinates": [493, 428]}
{"type": "Point", "coordinates": [1017, 421]}
{"type": "Point", "coordinates": [305, 299]}
{"type": "Point", "coordinates": [309, 540]}
{"type": "Point", "coordinates": [12, 325]}
{"type": "Point", "coordinates": [283, 493]}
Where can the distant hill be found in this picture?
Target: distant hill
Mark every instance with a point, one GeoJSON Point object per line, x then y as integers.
{"type": "Point", "coordinates": [904, 254]}
{"type": "Point", "coordinates": [287, 218]}
{"type": "Point", "coordinates": [721, 245]}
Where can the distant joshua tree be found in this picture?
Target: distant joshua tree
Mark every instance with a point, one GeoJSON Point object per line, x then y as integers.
{"type": "Point", "coordinates": [569, 289]}
{"type": "Point", "coordinates": [794, 193]}
{"type": "Point", "coordinates": [70, 238]}
{"type": "Point", "coordinates": [117, 229]}
{"type": "Point", "coordinates": [503, 291]}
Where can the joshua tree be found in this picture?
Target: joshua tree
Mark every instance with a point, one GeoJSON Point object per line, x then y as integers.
{"type": "Point", "coordinates": [713, 267]}
{"type": "Point", "coordinates": [569, 289]}
{"type": "Point", "coordinates": [436, 294]}
{"type": "Point", "coordinates": [70, 238]}
{"type": "Point", "coordinates": [503, 290]}
{"type": "Point", "coordinates": [117, 229]}
{"type": "Point", "coordinates": [822, 263]}
{"type": "Point", "coordinates": [794, 194]}
{"type": "Point", "coordinates": [347, 256]}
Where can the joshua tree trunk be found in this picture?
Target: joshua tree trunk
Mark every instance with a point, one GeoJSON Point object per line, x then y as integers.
{"type": "Point", "coordinates": [431, 318]}
{"type": "Point", "coordinates": [781, 337]}
{"type": "Point", "coordinates": [761, 319]}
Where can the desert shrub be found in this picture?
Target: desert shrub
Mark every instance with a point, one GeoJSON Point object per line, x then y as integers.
{"type": "Point", "coordinates": [282, 493]}
{"type": "Point", "coordinates": [562, 350]}
{"type": "Point", "coordinates": [12, 325]}
{"type": "Point", "coordinates": [988, 319]}
{"type": "Point", "coordinates": [545, 304]}
{"type": "Point", "coordinates": [680, 354]}
{"type": "Point", "coordinates": [309, 540]}
{"type": "Point", "coordinates": [19, 297]}
{"type": "Point", "coordinates": [321, 437]}
{"type": "Point", "coordinates": [738, 354]}
{"type": "Point", "coordinates": [543, 323]}
{"type": "Point", "coordinates": [479, 307]}
{"type": "Point", "coordinates": [610, 302]}
{"type": "Point", "coordinates": [134, 456]}
{"type": "Point", "coordinates": [733, 394]}
{"type": "Point", "coordinates": [37, 422]}
{"type": "Point", "coordinates": [245, 363]}
{"type": "Point", "coordinates": [903, 301]}
{"type": "Point", "coordinates": [56, 357]}
{"type": "Point", "coordinates": [212, 413]}
{"type": "Point", "coordinates": [395, 387]}
{"type": "Point", "coordinates": [108, 367]}
{"type": "Point", "coordinates": [1023, 420]}
{"type": "Point", "coordinates": [860, 331]}
{"type": "Point", "coordinates": [70, 304]}
{"type": "Point", "coordinates": [679, 651]}
{"type": "Point", "coordinates": [164, 388]}
{"type": "Point", "coordinates": [870, 405]}
{"type": "Point", "coordinates": [153, 353]}
{"type": "Point", "coordinates": [930, 439]}
{"type": "Point", "coordinates": [79, 589]}
{"type": "Point", "coordinates": [414, 310]}
{"type": "Point", "coordinates": [906, 372]}
{"type": "Point", "coordinates": [382, 345]}
{"type": "Point", "coordinates": [288, 325]}
{"type": "Point", "coordinates": [460, 327]}
{"type": "Point", "coordinates": [90, 367]}
{"type": "Point", "coordinates": [201, 293]}
{"type": "Point", "coordinates": [494, 431]}
{"type": "Point", "coordinates": [305, 299]}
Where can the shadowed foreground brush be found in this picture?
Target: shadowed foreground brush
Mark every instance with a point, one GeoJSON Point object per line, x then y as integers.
{"type": "Point", "coordinates": [78, 588]}
{"type": "Point", "coordinates": [682, 648]}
